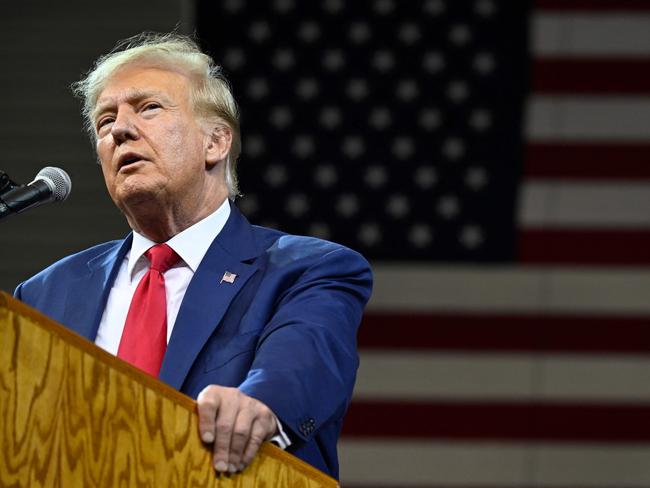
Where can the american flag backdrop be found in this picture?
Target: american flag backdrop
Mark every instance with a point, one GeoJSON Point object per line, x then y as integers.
{"type": "Point", "coordinates": [491, 159]}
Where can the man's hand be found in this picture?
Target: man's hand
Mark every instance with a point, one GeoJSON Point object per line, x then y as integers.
{"type": "Point", "coordinates": [236, 423]}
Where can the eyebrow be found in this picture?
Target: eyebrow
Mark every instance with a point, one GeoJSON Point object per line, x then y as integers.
{"type": "Point", "coordinates": [132, 96]}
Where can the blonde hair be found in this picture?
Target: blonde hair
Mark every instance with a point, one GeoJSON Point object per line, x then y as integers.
{"type": "Point", "coordinates": [210, 93]}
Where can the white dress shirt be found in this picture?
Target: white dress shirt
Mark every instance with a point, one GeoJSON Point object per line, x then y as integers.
{"type": "Point", "coordinates": [191, 245]}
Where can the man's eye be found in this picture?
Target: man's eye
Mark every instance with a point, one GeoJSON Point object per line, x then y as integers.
{"type": "Point", "coordinates": [103, 122]}
{"type": "Point", "coordinates": [151, 106]}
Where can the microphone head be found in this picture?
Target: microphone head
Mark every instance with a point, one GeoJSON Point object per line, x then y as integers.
{"type": "Point", "coordinates": [58, 181]}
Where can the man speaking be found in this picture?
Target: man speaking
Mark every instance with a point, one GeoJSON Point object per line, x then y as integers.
{"type": "Point", "coordinates": [257, 325]}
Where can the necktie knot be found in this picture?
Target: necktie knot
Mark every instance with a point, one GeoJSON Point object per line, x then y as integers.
{"type": "Point", "coordinates": [162, 257]}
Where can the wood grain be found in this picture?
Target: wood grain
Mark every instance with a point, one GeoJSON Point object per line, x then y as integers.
{"type": "Point", "coordinates": [73, 415]}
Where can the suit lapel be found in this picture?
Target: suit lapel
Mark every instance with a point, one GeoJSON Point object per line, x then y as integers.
{"type": "Point", "coordinates": [208, 296]}
{"type": "Point", "coordinates": [86, 296]}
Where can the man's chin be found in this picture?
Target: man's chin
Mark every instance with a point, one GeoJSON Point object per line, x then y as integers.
{"type": "Point", "coordinates": [135, 199]}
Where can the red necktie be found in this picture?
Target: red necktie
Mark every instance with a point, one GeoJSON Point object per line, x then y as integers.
{"type": "Point", "coordinates": [144, 339]}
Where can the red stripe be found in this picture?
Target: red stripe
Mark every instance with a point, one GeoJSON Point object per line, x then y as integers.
{"type": "Point", "coordinates": [499, 421]}
{"type": "Point", "coordinates": [591, 76]}
{"type": "Point", "coordinates": [585, 247]}
{"type": "Point", "coordinates": [592, 5]}
{"type": "Point", "coordinates": [588, 161]}
{"type": "Point", "coordinates": [504, 333]}
{"type": "Point", "coordinates": [480, 485]}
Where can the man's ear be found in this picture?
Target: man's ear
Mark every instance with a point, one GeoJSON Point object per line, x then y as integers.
{"type": "Point", "coordinates": [220, 140]}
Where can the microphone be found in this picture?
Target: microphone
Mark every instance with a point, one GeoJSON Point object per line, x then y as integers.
{"type": "Point", "coordinates": [50, 185]}
{"type": "Point", "coordinates": [6, 183]}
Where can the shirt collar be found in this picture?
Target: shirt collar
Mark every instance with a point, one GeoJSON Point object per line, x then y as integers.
{"type": "Point", "coordinates": [191, 245]}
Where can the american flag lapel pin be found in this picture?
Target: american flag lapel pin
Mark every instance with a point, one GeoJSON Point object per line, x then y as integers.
{"type": "Point", "coordinates": [228, 277]}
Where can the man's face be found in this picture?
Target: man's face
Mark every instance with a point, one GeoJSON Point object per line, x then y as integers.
{"type": "Point", "coordinates": [151, 146]}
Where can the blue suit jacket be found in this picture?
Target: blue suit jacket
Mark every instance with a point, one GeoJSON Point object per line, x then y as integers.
{"type": "Point", "coordinates": [284, 332]}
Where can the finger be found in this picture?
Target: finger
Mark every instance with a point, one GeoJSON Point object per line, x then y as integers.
{"type": "Point", "coordinates": [257, 436]}
{"type": "Point", "coordinates": [225, 421]}
{"type": "Point", "coordinates": [208, 406]}
{"type": "Point", "coordinates": [240, 435]}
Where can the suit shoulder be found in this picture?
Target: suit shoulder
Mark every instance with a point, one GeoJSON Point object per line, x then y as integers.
{"type": "Point", "coordinates": [282, 247]}
{"type": "Point", "coordinates": [74, 263]}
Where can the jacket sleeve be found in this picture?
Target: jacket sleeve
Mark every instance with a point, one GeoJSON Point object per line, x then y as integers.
{"type": "Point", "coordinates": [306, 359]}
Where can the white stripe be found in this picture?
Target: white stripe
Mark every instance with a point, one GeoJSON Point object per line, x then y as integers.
{"type": "Point", "coordinates": [417, 376]}
{"type": "Point", "coordinates": [592, 291]}
{"type": "Point", "coordinates": [507, 464]}
{"type": "Point", "coordinates": [591, 35]}
{"type": "Point", "coordinates": [588, 118]}
{"type": "Point", "coordinates": [585, 205]}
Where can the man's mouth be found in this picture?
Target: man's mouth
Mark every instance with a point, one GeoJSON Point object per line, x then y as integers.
{"type": "Point", "coordinates": [128, 159]}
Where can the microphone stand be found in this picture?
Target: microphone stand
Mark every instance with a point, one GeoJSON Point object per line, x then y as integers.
{"type": "Point", "coordinates": [6, 183]}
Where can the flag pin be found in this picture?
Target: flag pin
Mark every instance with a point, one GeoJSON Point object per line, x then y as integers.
{"type": "Point", "coordinates": [228, 277]}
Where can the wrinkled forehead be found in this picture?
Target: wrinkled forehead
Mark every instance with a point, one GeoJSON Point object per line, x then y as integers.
{"type": "Point", "coordinates": [133, 83]}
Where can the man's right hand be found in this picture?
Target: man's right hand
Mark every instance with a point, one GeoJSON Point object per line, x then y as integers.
{"type": "Point", "coordinates": [235, 423]}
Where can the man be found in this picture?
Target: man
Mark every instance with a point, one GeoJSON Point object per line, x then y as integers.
{"type": "Point", "coordinates": [258, 325]}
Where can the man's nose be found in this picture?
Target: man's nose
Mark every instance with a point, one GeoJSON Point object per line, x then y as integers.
{"type": "Point", "coordinates": [124, 127]}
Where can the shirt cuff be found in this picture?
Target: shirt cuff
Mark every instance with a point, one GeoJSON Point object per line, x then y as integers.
{"type": "Point", "coordinates": [281, 439]}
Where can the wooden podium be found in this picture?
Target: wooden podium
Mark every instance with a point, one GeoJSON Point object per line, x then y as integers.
{"type": "Point", "coordinates": [73, 415]}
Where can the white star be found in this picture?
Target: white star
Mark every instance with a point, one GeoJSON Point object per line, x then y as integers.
{"type": "Point", "coordinates": [485, 8]}
{"type": "Point", "coordinates": [384, 7]}
{"type": "Point", "coordinates": [383, 60]}
{"type": "Point", "coordinates": [309, 31]}
{"type": "Point", "coordinates": [398, 206]}
{"type": "Point", "coordinates": [481, 119]}
{"type": "Point", "coordinates": [460, 34]}
{"type": "Point", "coordinates": [433, 62]}
{"type": "Point", "coordinates": [283, 59]}
{"type": "Point", "coordinates": [448, 207]}
{"type": "Point", "coordinates": [426, 177]}
{"type": "Point", "coordinates": [330, 117]}
{"type": "Point", "coordinates": [471, 236]}
{"type": "Point", "coordinates": [303, 146]}
{"type": "Point", "coordinates": [254, 145]}
{"type": "Point", "coordinates": [297, 205]}
{"type": "Point", "coordinates": [407, 90]}
{"type": "Point", "coordinates": [276, 175]}
{"type": "Point", "coordinates": [357, 89]}
{"type": "Point", "coordinates": [359, 32]}
{"type": "Point", "coordinates": [484, 63]}
{"type": "Point", "coordinates": [248, 204]}
{"type": "Point", "coordinates": [283, 6]}
{"type": "Point", "coordinates": [353, 147]}
{"type": "Point", "coordinates": [430, 118]}
{"type": "Point", "coordinates": [234, 58]}
{"type": "Point", "coordinates": [453, 148]}
{"type": "Point", "coordinates": [409, 33]}
{"type": "Point", "coordinates": [457, 91]}
{"type": "Point", "coordinates": [403, 147]}
{"type": "Point", "coordinates": [325, 175]}
{"type": "Point", "coordinates": [333, 59]}
{"type": "Point", "coordinates": [369, 234]}
{"type": "Point", "coordinates": [375, 176]}
{"type": "Point", "coordinates": [233, 6]}
{"type": "Point", "coordinates": [259, 31]}
{"type": "Point", "coordinates": [258, 88]}
{"type": "Point", "coordinates": [281, 117]}
{"type": "Point", "coordinates": [380, 118]}
{"type": "Point", "coordinates": [333, 6]}
{"type": "Point", "coordinates": [307, 88]}
{"type": "Point", "coordinates": [347, 205]}
{"type": "Point", "coordinates": [434, 7]}
{"type": "Point", "coordinates": [320, 230]}
{"type": "Point", "coordinates": [476, 178]}
{"type": "Point", "coordinates": [420, 235]}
